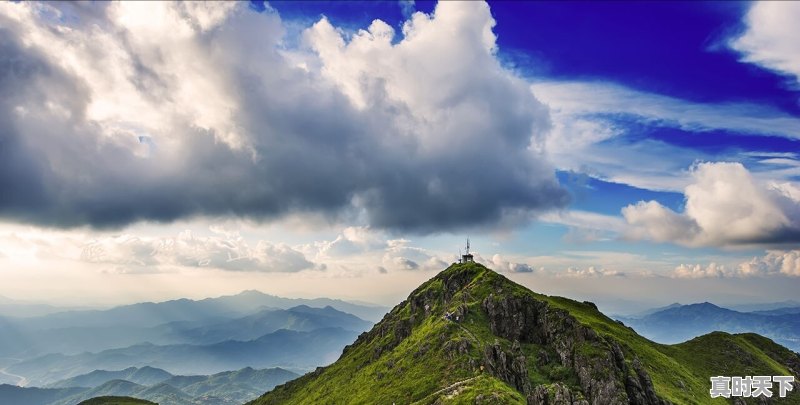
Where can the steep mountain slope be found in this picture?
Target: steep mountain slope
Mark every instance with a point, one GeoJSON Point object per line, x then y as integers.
{"type": "Point", "coordinates": [684, 322]}
{"type": "Point", "coordinates": [469, 335]}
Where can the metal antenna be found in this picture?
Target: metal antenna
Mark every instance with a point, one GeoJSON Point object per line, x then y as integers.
{"type": "Point", "coordinates": [467, 245]}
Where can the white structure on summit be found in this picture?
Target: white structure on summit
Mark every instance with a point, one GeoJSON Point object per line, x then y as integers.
{"type": "Point", "coordinates": [467, 256]}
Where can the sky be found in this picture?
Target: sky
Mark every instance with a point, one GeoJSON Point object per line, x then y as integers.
{"type": "Point", "coordinates": [633, 154]}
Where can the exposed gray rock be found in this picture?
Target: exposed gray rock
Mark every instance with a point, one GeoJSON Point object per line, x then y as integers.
{"type": "Point", "coordinates": [599, 364]}
{"type": "Point", "coordinates": [507, 366]}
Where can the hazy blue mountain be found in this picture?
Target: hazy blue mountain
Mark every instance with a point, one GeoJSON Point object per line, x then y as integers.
{"type": "Point", "coordinates": [144, 376]}
{"type": "Point", "coordinates": [764, 306]}
{"type": "Point", "coordinates": [230, 387]}
{"type": "Point", "coordinates": [187, 311]}
{"type": "Point", "coordinates": [11, 394]}
{"type": "Point", "coordinates": [77, 340]}
{"type": "Point", "coordinates": [650, 311]}
{"type": "Point", "coordinates": [117, 388]}
{"type": "Point", "coordinates": [149, 314]}
{"type": "Point", "coordinates": [182, 381]}
{"type": "Point", "coordinates": [282, 348]}
{"type": "Point", "coordinates": [146, 314]}
{"type": "Point", "coordinates": [159, 393]}
{"type": "Point", "coordinates": [238, 386]}
{"type": "Point", "coordinates": [14, 340]}
{"type": "Point", "coordinates": [301, 318]}
{"type": "Point", "coordinates": [368, 312]}
{"type": "Point", "coordinates": [779, 311]}
{"type": "Point", "coordinates": [23, 309]}
{"type": "Point", "coordinates": [174, 322]}
{"type": "Point", "coordinates": [165, 394]}
{"type": "Point", "coordinates": [684, 322]}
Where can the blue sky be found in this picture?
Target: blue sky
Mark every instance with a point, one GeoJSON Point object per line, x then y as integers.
{"type": "Point", "coordinates": [589, 149]}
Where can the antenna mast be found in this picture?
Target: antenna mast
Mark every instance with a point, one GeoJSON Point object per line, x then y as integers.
{"type": "Point", "coordinates": [467, 256]}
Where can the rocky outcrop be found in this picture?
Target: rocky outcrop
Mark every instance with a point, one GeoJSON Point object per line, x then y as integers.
{"type": "Point", "coordinates": [508, 366]}
{"type": "Point", "coordinates": [555, 394]}
{"type": "Point", "coordinates": [598, 364]}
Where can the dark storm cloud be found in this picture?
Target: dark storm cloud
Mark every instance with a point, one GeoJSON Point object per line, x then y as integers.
{"type": "Point", "coordinates": [306, 147]}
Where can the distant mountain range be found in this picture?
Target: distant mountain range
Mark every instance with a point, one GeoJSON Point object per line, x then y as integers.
{"type": "Point", "coordinates": [151, 314]}
{"type": "Point", "coordinates": [764, 306]}
{"type": "Point", "coordinates": [159, 386]}
{"type": "Point", "coordinates": [17, 308]}
{"type": "Point", "coordinates": [184, 336]}
{"type": "Point", "coordinates": [240, 317]}
{"type": "Point", "coordinates": [301, 318]}
{"type": "Point", "coordinates": [282, 348]}
{"type": "Point", "coordinates": [143, 376]}
{"type": "Point", "coordinates": [29, 342]}
{"type": "Point", "coordinates": [678, 323]}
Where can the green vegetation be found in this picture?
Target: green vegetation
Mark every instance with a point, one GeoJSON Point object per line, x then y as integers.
{"type": "Point", "coordinates": [416, 355]}
{"type": "Point", "coordinates": [116, 401]}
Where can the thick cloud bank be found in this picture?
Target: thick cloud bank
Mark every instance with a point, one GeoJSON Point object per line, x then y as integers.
{"type": "Point", "coordinates": [113, 113]}
{"type": "Point", "coordinates": [725, 206]}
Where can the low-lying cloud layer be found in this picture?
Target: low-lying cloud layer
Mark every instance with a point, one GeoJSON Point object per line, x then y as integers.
{"type": "Point", "coordinates": [114, 113]}
{"type": "Point", "coordinates": [775, 262]}
{"type": "Point", "coordinates": [131, 254]}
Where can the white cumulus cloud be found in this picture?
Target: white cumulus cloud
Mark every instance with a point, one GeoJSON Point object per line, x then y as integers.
{"type": "Point", "coordinates": [118, 113]}
{"type": "Point", "coordinates": [725, 206]}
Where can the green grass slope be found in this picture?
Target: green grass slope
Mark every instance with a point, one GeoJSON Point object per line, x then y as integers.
{"type": "Point", "coordinates": [116, 401]}
{"type": "Point", "coordinates": [493, 354]}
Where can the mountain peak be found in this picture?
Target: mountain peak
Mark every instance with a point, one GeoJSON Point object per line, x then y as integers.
{"type": "Point", "coordinates": [251, 293]}
{"type": "Point", "coordinates": [703, 306]}
{"type": "Point", "coordinates": [470, 335]}
{"type": "Point", "coordinates": [470, 327]}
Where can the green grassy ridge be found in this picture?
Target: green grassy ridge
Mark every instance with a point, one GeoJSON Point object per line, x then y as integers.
{"type": "Point", "coordinates": [116, 401]}
{"type": "Point", "coordinates": [681, 372]}
{"type": "Point", "coordinates": [413, 354]}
